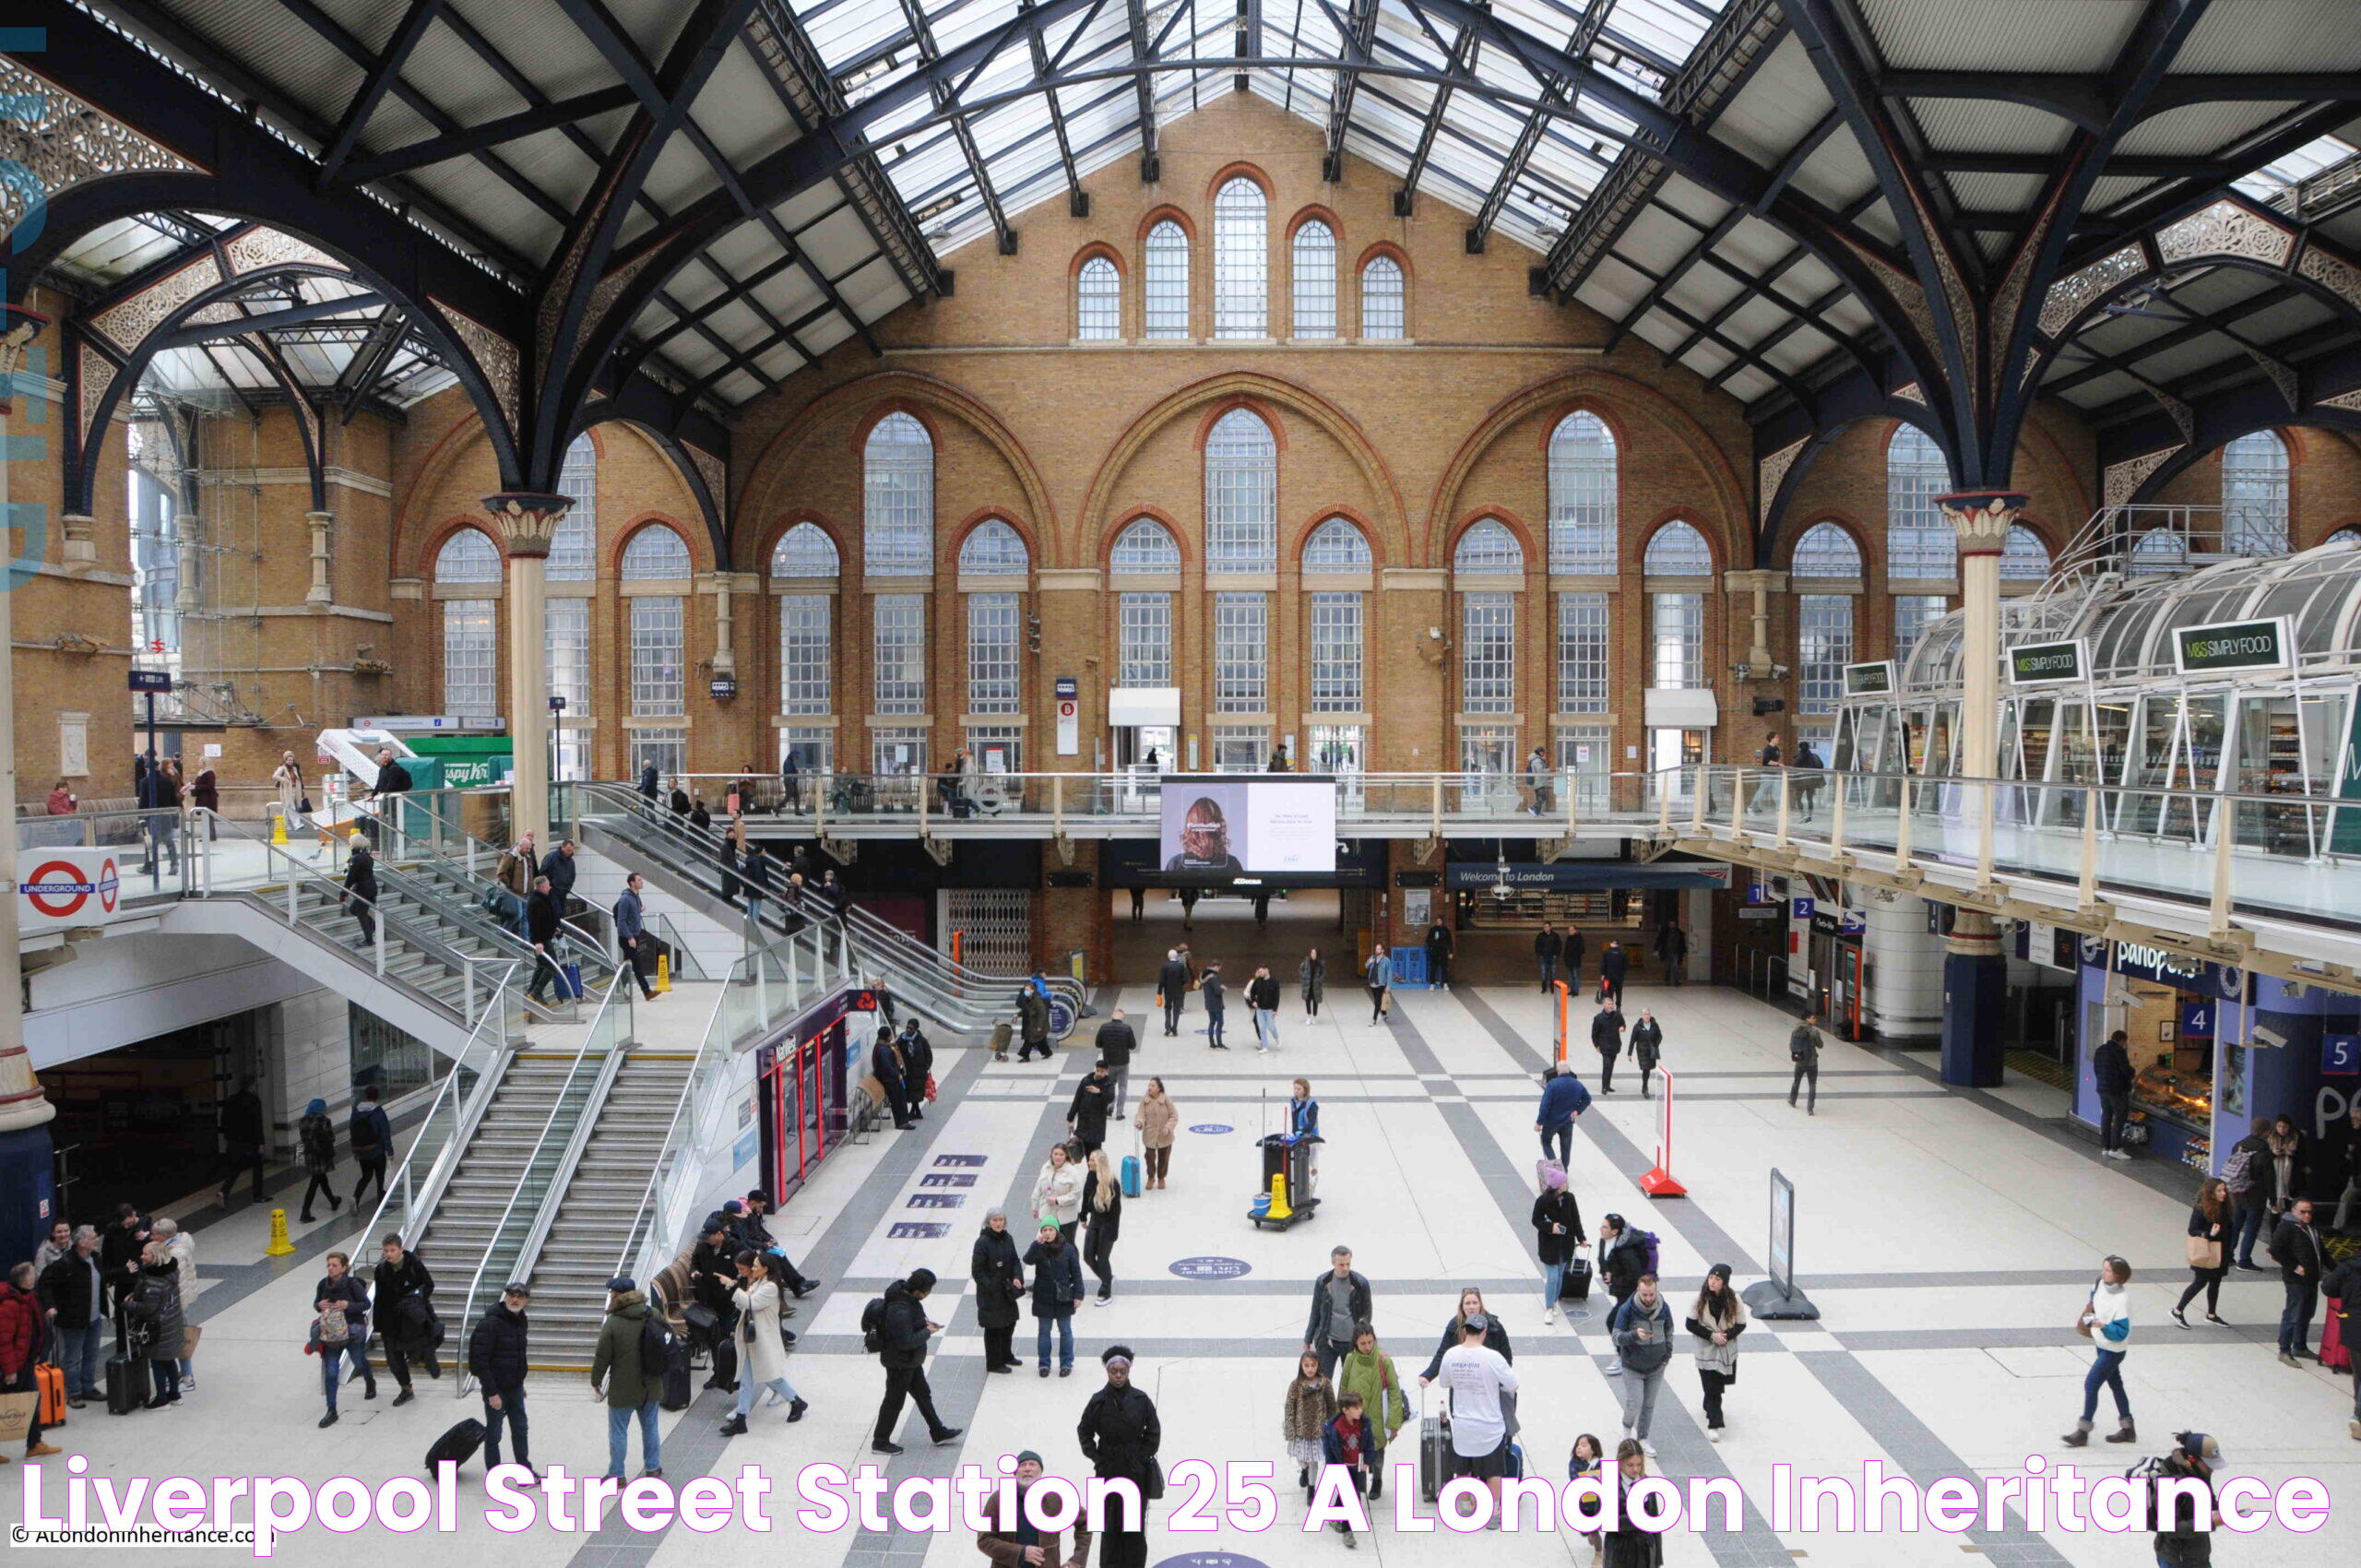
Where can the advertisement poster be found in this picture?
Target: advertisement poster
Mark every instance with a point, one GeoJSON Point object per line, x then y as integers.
{"type": "Point", "coordinates": [1232, 825]}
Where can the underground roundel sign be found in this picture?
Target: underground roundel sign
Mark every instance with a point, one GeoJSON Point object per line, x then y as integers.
{"type": "Point", "coordinates": [62, 890]}
{"type": "Point", "coordinates": [1061, 1014]}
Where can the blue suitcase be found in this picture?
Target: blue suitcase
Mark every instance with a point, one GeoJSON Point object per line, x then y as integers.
{"type": "Point", "coordinates": [571, 974]}
{"type": "Point", "coordinates": [1131, 1175]}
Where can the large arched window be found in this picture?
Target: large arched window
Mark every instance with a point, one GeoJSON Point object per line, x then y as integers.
{"type": "Point", "coordinates": [804, 550]}
{"type": "Point", "coordinates": [1827, 551]}
{"type": "Point", "coordinates": [1385, 303]}
{"type": "Point", "coordinates": [1489, 547]}
{"type": "Point", "coordinates": [655, 554]}
{"type": "Point", "coordinates": [2157, 553]}
{"type": "Point", "coordinates": [1166, 268]}
{"type": "Point", "coordinates": [1145, 548]}
{"type": "Point", "coordinates": [1099, 302]}
{"type": "Point", "coordinates": [1242, 261]}
{"type": "Point", "coordinates": [1823, 647]}
{"type": "Point", "coordinates": [1241, 495]}
{"type": "Point", "coordinates": [1314, 273]}
{"type": "Point", "coordinates": [468, 556]}
{"type": "Point", "coordinates": [658, 623]}
{"type": "Point", "coordinates": [2024, 558]}
{"type": "Point", "coordinates": [897, 499]}
{"type": "Point", "coordinates": [470, 625]}
{"type": "Point", "coordinates": [573, 549]}
{"type": "Point", "coordinates": [1677, 550]}
{"type": "Point", "coordinates": [994, 550]}
{"type": "Point", "coordinates": [1336, 546]}
{"type": "Point", "coordinates": [1919, 541]}
{"type": "Point", "coordinates": [1583, 496]}
{"type": "Point", "coordinates": [2254, 494]}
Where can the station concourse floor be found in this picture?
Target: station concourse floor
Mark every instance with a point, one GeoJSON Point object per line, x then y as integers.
{"type": "Point", "coordinates": [1949, 1239]}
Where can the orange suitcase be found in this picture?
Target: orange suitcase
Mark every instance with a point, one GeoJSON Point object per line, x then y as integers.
{"type": "Point", "coordinates": [52, 1381]}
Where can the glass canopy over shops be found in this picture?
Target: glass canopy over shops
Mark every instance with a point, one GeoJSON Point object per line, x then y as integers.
{"type": "Point", "coordinates": [2103, 683]}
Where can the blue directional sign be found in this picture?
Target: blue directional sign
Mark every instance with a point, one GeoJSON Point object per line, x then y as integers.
{"type": "Point", "coordinates": [935, 1200]}
{"type": "Point", "coordinates": [969, 1161]}
{"type": "Point", "coordinates": [1212, 1127]}
{"type": "Point", "coordinates": [916, 1230]}
{"type": "Point", "coordinates": [946, 1179]}
{"type": "Point", "coordinates": [1212, 1268]}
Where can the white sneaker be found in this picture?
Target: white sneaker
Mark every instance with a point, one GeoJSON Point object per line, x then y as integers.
{"type": "Point", "coordinates": [1647, 1448]}
{"type": "Point", "coordinates": [1713, 1434]}
{"type": "Point", "coordinates": [1548, 1315]}
{"type": "Point", "coordinates": [1615, 1369]}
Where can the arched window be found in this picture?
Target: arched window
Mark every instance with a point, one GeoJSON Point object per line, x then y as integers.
{"type": "Point", "coordinates": [1241, 495]}
{"type": "Point", "coordinates": [1919, 541]}
{"type": "Point", "coordinates": [1167, 269]}
{"type": "Point", "coordinates": [2254, 494]}
{"type": "Point", "coordinates": [1099, 302]}
{"type": "Point", "coordinates": [573, 550]}
{"type": "Point", "coordinates": [1489, 547]}
{"type": "Point", "coordinates": [2343, 536]}
{"type": "Point", "coordinates": [1143, 548]}
{"type": "Point", "coordinates": [994, 550]}
{"type": "Point", "coordinates": [804, 550]}
{"type": "Point", "coordinates": [468, 556]}
{"type": "Point", "coordinates": [1677, 550]}
{"type": "Point", "coordinates": [1314, 271]}
{"type": "Point", "coordinates": [1823, 647]}
{"type": "Point", "coordinates": [655, 553]}
{"type": "Point", "coordinates": [1583, 496]}
{"type": "Point", "coordinates": [2158, 552]}
{"type": "Point", "coordinates": [1242, 261]}
{"type": "Point", "coordinates": [1336, 546]}
{"type": "Point", "coordinates": [2024, 558]}
{"type": "Point", "coordinates": [1386, 305]}
{"type": "Point", "coordinates": [1825, 550]}
{"type": "Point", "coordinates": [897, 499]}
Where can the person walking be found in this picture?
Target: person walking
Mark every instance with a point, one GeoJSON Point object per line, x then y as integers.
{"type": "Point", "coordinates": [620, 1376]}
{"type": "Point", "coordinates": [1057, 1190]}
{"type": "Point", "coordinates": [1612, 966]}
{"type": "Point", "coordinates": [1263, 996]}
{"type": "Point", "coordinates": [287, 780]}
{"type": "Point", "coordinates": [1378, 976]}
{"type": "Point", "coordinates": [541, 931]}
{"type": "Point", "coordinates": [1647, 1048]}
{"type": "Point", "coordinates": [1471, 1307]}
{"type": "Point", "coordinates": [1631, 1544]}
{"type": "Point", "coordinates": [1642, 1329]}
{"type": "Point", "coordinates": [1216, 996]}
{"type": "Point", "coordinates": [1010, 1539]}
{"type": "Point", "coordinates": [157, 1302]}
{"type": "Point", "coordinates": [2111, 1068]}
{"type": "Point", "coordinates": [514, 873]}
{"type": "Point", "coordinates": [761, 1346]}
{"type": "Point", "coordinates": [1102, 1211]}
{"type": "Point", "coordinates": [754, 870]}
{"type": "Point", "coordinates": [1547, 948]}
{"type": "Point", "coordinates": [317, 1135]}
{"type": "Point", "coordinates": [631, 930]}
{"type": "Point", "coordinates": [371, 1133]}
{"type": "Point", "coordinates": [1057, 1291]}
{"type": "Point", "coordinates": [2303, 1263]}
{"type": "Point", "coordinates": [340, 1332]}
{"type": "Point", "coordinates": [1717, 1319]}
{"type": "Point", "coordinates": [1094, 1101]}
{"type": "Point", "coordinates": [1033, 1022]}
{"type": "Point", "coordinates": [1310, 1406]}
{"type": "Point", "coordinates": [1804, 1046]}
{"type": "Point", "coordinates": [205, 795]}
{"type": "Point", "coordinates": [1349, 1441]}
{"type": "Point", "coordinates": [499, 1357]}
{"type": "Point", "coordinates": [406, 1330]}
{"type": "Point", "coordinates": [1367, 1376]}
{"type": "Point", "coordinates": [1564, 1098]}
{"type": "Point", "coordinates": [1672, 952]}
{"type": "Point", "coordinates": [998, 1275]}
{"type": "Point", "coordinates": [2209, 1251]}
{"type": "Point", "coordinates": [1340, 1303]}
{"type": "Point", "coordinates": [1172, 989]}
{"type": "Point", "coordinates": [21, 1332]}
{"type": "Point", "coordinates": [1624, 1255]}
{"type": "Point", "coordinates": [2247, 1173]}
{"type": "Point", "coordinates": [1158, 1119]}
{"type": "Point", "coordinates": [242, 1136]}
{"type": "Point", "coordinates": [2106, 1321]}
{"type": "Point", "coordinates": [2185, 1534]}
{"type": "Point", "coordinates": [1120, 1436]}
{"type": "Point", "coordinates": [1311, 979]}
{"type": "Point", "coordinates": [1441, 945]}
{"type": "Point", "coordinates": [1558, 1235]}
{"type": "Point", "coordinates": [73, 1292]}
{"type": "Point", "coordinates": [1537, 778]}
{"type": "Point", "coordinates": [1585, 1463]}
{"type": "Point", "coordinates": [1118, 1043]}
{"type": "Point", "coordinates": [1477, 1376]}
{"type": "Point", "coordinates": [1606, 1038]}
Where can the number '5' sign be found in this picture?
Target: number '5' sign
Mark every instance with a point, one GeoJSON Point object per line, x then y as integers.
{"type": "Point", "coordinates": [1247, 1500]}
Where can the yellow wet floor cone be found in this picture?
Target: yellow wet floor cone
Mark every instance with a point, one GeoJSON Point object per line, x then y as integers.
{"type": "Point", "coordinates": [279, 828]}
{"type": "Point", "coordinates": [1279, 1210]}
{"type": "Point", "coordinates": [280, 1245]}
{"type": "Point", "coordinates": [663, 973]}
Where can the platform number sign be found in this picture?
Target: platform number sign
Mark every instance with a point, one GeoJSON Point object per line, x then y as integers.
{"type": "Point", "coordinates": [2340, 1055]}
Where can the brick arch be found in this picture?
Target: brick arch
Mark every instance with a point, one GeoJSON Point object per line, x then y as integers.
{"type": "Point", "coordinates": [1130, 515]}
{"type": "Point", "coordinates": [1718, 553]}
{"type": "Point", "coordinates": [1096, 248]}
{"type": "Point", "coordinates": [1292, 549]}
{"type": "Point", "coordinates": [785, 523]}
{"type": "Point", "coordinates": [1623, 404]}
{"type": "Point", "coordinates": [640, 523]}
{"type": "Point", "coordinates": [1271, 391]}
{"type": "Point", "coordinates": [1310, 210]}
{"type": "Point", "coordinates": [431, 546]}
{"type": "Point", "coordinates": [1234, 170]}
{"type": "Point", "coordinates": [958, 532]}
{"type": "Point", "coordinates": [929, 399]}
{"type": "Point", "coordinates": [1537, 553]}
{"type": "Point", "coordinates": [1218, 411]}
{"type": "Point", "coordinates": [885, 409]}
{"type": "Point", "coordinates": [1850, 527]}
{"type": "Point", "coordinates": [1386, 248]}
{"type": "Point", "coordinates": [1158, 214]}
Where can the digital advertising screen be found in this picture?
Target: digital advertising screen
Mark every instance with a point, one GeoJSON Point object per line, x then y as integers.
{"type": "Point", "coordinates": [1224, 825]}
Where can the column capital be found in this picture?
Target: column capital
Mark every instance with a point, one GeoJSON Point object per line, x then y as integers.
{"type": "Point", "coordinates": [528, 520]}
{"type": "Point", "coordinates": [1982, 519]}
{"type": "Point", "coordinates": [18, 327]}
{"type": "Point", "coordinates": [82, 543]}
{"type": "Point", "coordinates": [1755, 582]}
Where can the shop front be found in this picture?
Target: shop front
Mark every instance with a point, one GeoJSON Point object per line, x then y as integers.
{"type": "Point", "coordinates": [803, 1090]}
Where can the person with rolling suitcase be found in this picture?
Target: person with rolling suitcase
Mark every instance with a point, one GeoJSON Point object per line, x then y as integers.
{"type": "Point", "coordinates": [22, 1332]}
{"type": "Point", "coordinates": [1477, 1376]}
{"type": "Point", "coordinates": [497, 1356]}
{"type": "Point", "coordinates": [457, 1446]}
{"type": "Point", "coordinates": [541, 930]}
{"type": "Point", "coordinates": [1557, 1228]}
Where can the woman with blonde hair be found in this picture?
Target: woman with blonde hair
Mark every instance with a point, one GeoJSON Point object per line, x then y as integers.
{"type": "Point", "coordinates": [1157, 1118]}
{"type": "Point", "coordinates": [1102, 1212]}
{"type": "Point", "coordinates": [164, 1324]}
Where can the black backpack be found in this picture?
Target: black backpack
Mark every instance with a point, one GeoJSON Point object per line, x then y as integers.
{"type": "Point", "coordinates": [659, 1346]}
{"type": "Point", "coordinates": [872, 1325]}
{"type": "Point", "coordinates": [2144, 1475]}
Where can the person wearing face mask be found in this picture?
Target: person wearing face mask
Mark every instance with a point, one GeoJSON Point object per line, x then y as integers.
{"type": "Point", "coordinates": [2106, 1319]}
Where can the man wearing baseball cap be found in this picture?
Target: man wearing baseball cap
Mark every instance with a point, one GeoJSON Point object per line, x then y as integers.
{"type": "Point", "coordinates": [1013, 1542]}
{"type": "Point", "coordinates": [498, 1360]}
{"type": "Point", "coordinates": [2184, 1540]}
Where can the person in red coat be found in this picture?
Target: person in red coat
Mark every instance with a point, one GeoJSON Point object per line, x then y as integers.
{"type": "Point", "coordinates": [20, 1338]}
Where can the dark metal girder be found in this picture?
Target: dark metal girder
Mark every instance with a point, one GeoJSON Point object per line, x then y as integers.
{"type": "Point", "coordinates": [1461, 61]}
{"type": "Point", "coordinates": [381, 72]}
{"type": "Point", "coordinates": [1143, 49]}
{"type": "Point", "coordinates": [2233, 370]}
{"type": "Point", "coordinates": [2178, 336]}
{"type": "Point", "coordinates": [1077, 200]}
{"type": "Point", "coordinates": [1357, 29]}
{"type": "Point", "coordinates": [294, 316]}
{"type": "Point", "coordinates": [946, 97]}
{"type": "Point", "coordinates": [2122, 166]}
{"type": "Point", "coordinates": [554, 115]}
{"type": "Point", "coordinates": [368, 363]}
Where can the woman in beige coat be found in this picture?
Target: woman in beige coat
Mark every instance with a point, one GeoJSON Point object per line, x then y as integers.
{"type": "Point", "coordinates": [1157, 1119]}
{"type": "Point", "coordinates": [762, 1354]}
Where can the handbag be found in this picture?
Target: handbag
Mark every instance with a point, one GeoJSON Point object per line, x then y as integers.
{"type": "Point", "coordinates": [1154, 1491]}
{"type": "Point", "coordinates": [929, 1088]}
{"type": "Point", "coordinates": [331, 1329]}
{"type": "Point", "coordinates": [2082, 1318]}
{"type": "Point", "coordinates": [304, 804]}
{"type": "Point", "coordinates": [2205, 1253]}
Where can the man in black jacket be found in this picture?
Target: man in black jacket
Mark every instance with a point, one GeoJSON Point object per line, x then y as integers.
{"type": "Point", "coordinates": [2295, 1248]}
{"type": "Point", "coordinates": [541, 930]}
{"type": "Point", "coordinates": [1116, 1043]}
{"type": "Point", "coordinates": [1606, 1038]}
{"type": "Point", "coordinates": [119, 1247]}
{"type": "Point", "coordinates": [558, 868]}
{"type": "Point", "coordinates": [1803, 1049]}
{"type": "Point", "coordinates": [1172, 989]}
{"type": "Point", "coordinates": [1546, 949]}
{"type": "Point", "coordinates": [1440, 946]}
{"type": "Point", "coordinates": [73, 1292]}
{"type": "Point", "coordinates": [1120, 1434]}
{"type": "Point", "coordinates": [393, 780]}
{"type": "Point", "coordinates": [496, 1356]}
{"type": "Point", "coordinates": [242, 1139]}
{"type": "Point", "coordinates": [885, 1065]}
{"type": "Point", "coordinates": [1340, 1303]}
{"type": "Point", "coordinates": [1217, 1003]}
{"type": "Point", "coordinates": [406, 1331]}
{"type": "Point", "coordinates": [2184, 1540]}
{"type": "Point", "coordinates": [1576, 945]}
{"type": "Point", "coordinates": [918, 1066]}
{"type": "Point", "coordinates": [1094, 1097]}
{"type": "Point", "coordinates": [1672, 952]}
{"type": "Point", "coordinates": [903, 1334]}
{"type": "Point", "coordinates": [1612, 966]}
{"type": "Point", "coordinates": [361, 889]}
{"type": "Point", "coordinates": [1032, 1020]}
{"type": "Point", "coordinates": [2111, 1069]}
{"type": "Point", "coordinates": [755, 1236]}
